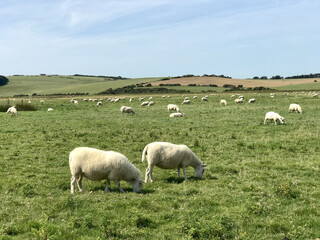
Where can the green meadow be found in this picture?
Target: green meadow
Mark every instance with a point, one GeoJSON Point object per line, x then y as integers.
{"type": "Point", "coordinates": [261, 182]}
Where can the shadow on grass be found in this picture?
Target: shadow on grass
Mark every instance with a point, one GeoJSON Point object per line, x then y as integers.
{"type": "Point", "coordinates": [116, 190]}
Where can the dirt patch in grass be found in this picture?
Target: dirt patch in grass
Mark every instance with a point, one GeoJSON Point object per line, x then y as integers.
{"type": "Point", "coordinates": [245, 82]}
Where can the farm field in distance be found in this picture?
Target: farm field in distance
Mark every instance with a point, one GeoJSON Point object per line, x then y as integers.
{"type": "Point", "coordinates": [261, 182]}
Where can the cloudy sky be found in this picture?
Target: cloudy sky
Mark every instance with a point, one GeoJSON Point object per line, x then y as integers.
{"type": "Point", "coordinates": [145, 38]}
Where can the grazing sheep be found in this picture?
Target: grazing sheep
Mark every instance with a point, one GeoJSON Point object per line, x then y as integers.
{"type": "Point", "coordinates": [204, 99]}
{"type": "Point", "coordinates": [85, 100]}
{"type": "Point", "coordinates": [97, 165]}
{"type": "Point", "coordinates": [150, 98]}
{"type": "Point", "coordinates": [223, 102]}
{"type": "Point", "coordinates": [144, 103]}
{"type": "Point", "coordinates": [238, 100]}
{"type": "Point", "coordinates": [173, 107]}
{"type": "Point", "coordinates": [12, 110]}
{"type": "Point", "coordinates": [195, 97]}
{"type": "Point", "coordinates": [99, 103]}
{"type": "Point", "coordinates": [295, 108]}
{"type": "Point", "coordinates": [177, 115]}
{"type": "Point", "coordinates": [252, 100]}
{"type": "Point", "coordinates": [50, 109]}
{"type": "Point", "coordinates": [41, 101]}
{"type": "Point", "coordinates": [75, 102]}
{"type": "Point", "coordinates": [170, 156]}
{"type": "Point", "coordinates": [315, 95]}
{"type": "Point", "coordinates": [187, 101]}
{"type": "Point", "coordinates": [125, 109]}
{"type": "Point", "coordinates": [131, 99]}
{"type": "Point", "coordinates": [150, 103]}
{"type": "Point", "coordinates": [272, 116]}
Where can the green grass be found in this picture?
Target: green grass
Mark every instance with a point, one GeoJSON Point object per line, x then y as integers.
{"type": "Point", "coordinates": [262, 181]}
{"type": "Point", "coordinates": [299, 87]}
{"type": "Point", "coordinates": [63, 84]}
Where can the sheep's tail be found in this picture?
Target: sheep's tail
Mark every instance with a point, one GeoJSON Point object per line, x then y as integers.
{"type": "Point", "coordinates": [144, 153]}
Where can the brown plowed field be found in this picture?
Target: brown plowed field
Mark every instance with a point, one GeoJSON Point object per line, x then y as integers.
{"type": "Point", "coordinates": [245, 82]}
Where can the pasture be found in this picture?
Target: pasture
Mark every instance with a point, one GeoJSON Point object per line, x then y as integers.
{"type": "Point", "coordinates": [261, 182]}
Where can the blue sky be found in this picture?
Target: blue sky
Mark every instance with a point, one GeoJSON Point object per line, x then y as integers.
{"type": "Point", "coordinates": [146, 38]}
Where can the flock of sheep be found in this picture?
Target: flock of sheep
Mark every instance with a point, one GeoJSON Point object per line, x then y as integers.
{"type": "Point", "coordinates": [97, 165]}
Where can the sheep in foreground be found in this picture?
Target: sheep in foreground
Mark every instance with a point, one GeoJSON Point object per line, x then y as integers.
{"type": "Point", "coordinates": [125, 109]}
{"type": "Point", "coordinates": [275, 117]}
{"type": "Point", "coordinates": [12, 110]}
{"type": "Point", "coordinates": [97, 165]}
{"type": "Point", "coordinates": [223, 102]}
{"type": "Point", "coordinates": [173, 107]}
{"type": "Point", "coordinates": [177, 115]}
{"type": "Point", "coordinates": [295, 108]}
{"type": "Point", "coordinates": [170, 156]}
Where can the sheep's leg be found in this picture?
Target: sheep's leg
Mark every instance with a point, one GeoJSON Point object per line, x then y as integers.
{"type": "Point", "coordinates": [118, 184]}
{"type": "Point", "coordinates": [178, 169]}
{"type": "Point", "coordinates": [107, 186]}
{"type": "Point", "coordinates": [185, 174]}
{"type": "Point", "coordinates": [79, 182]}
{"type": "Point", "coordinates": [147, 175]}
{"type": "Point", "coordinates": [264, 121]}
{"type": "Point", "coordinates": [73, 180]}
{"type": "Point", "coordinates": [150, 173]}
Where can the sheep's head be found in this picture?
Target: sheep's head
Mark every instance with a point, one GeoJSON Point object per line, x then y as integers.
{"type": "Point", "coordinates": [200, 170]}
{"type": "Point", "coordinates": [281, 119]}
{"type": "Point", "coordinates": [137, 184]}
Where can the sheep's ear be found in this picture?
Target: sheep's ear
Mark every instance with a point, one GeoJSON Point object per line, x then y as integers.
{"type": "Point", "coordinates": [203, 165]}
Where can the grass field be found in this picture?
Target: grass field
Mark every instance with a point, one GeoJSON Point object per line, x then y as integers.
{"type": "Point", "coordinates": [262, 181]}
{"type": "Point", "coordinates": [63, 84]}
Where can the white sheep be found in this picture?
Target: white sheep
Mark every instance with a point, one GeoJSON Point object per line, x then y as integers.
{"type": "Point", "coordinates": [99, 103]}
{"type": "Point", "coordinates": [295, 108]}
{"type": "Point", "coordinates": [50, 109]}
{"type": "Point", "coordinates": [170, 156]}
{"type": "Point", "coordinates": [239, 100]}
{"type": "Point", "coordinates": [252, 100]}
{"type": "Point", "coordinates": [178, 114]}
{"type": "Point", "coordinates": [173, 107]}
{"type": "Point", "coordinates": [75, 102]}
{"type": "Point", "coordinates": [12, 110]}
{"type": "Point", "coordinates": [150, 103]}
{"type": "Point", "coordinates": [223, 102]}
{"type": "Point", "coordinates": [144, 103]}
{"type": "Point", "coordinates": [204, 99]}
{"type": "Point", "coordinates": [41, 101]}
{"type": "Point", "coordinates": [125, 109]}
{"type": "Point", "coordinates": [187, 101]}
{"type": "Point", "coordinates": [195, 97]}
{"type": "Point", "coordinates": [275, 117]}
{"type": "Point", "coordinates": [97, 165]}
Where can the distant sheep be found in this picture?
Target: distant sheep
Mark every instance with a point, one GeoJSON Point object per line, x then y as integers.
{"type": "Point", "coordinates": [41, 101]}
{"type": "Point", "coordinates": [195, 97]}
{"type": "Point", "coordinates": [252, 100]}
{"type": "Point", "coordinates": [50, 109]}
{"type": "Point", "coordinates": [295, 108]}
{"type": "Point", "coordinates": [173, 107]}
{"type": "Point", "coordinates": [75, 102]}
{"type": "Point", "coordinates": [223, 102]}
{"type": "Point", "coordinates": [204, 99]}
{"type": "Point", "coordinates": [186, 101]}
{"type": "Point", "coordinates": [97, 165]}
{"type": "Point", "coordinates": [150, 103]}
{"type": "Point", "coordinates": [12, 110]}
{"type": "Point", "coordinates": [177, 114]}
{"type": "Point", "coordinates": [99, 103]}
{"type": "Point", "coordinates": [275, 117]}
{"type": "Point", "coordinates": [125, 109]}
{"type": "Point", "coordinates": [170, 156]}
{"type": "Point", "coordinates": [144, 103]}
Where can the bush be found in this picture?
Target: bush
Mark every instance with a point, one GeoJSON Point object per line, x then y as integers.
{"type": "Point", "coordinates": [3, 80]}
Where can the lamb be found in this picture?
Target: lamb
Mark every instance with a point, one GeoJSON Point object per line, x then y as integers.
{"type": "Point", "coordinates": [125, 109]}
{"type": "Point", "coordinates": [173, 107]}
{"type": "Point", "coordinates": [223, 102]}
{"type": "Point", "coordinates": [170, 156]}
{"type": "Point", "coordinates": [295, 108]}
{"type": "Point", "coordinates": [144, 103]}
{"type": "Point", "coordinates": [177, 114]}
{"type": "Point", "coordinates": [97, 165]}
{"type": "Point", "coordinates": [252, 100]}
{"type": "Point", "coordinates": [12, 110]}
{"type": "Point", "coordinates": [272, 116]}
